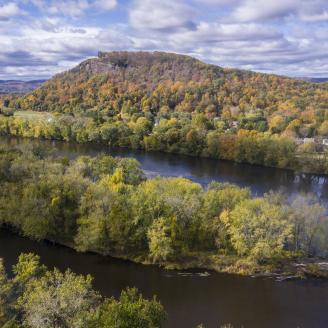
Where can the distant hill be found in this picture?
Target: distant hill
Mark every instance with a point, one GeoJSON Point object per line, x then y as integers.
{"type": "Point", "coordinates": [17, 86]}
{"type": "Point", "coordinates": [315, 79]}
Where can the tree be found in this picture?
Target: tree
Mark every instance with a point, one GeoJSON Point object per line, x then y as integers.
{"type": "Point", "coordinates": [27, 268]}
{"type": "Point", "coordinates": [4, 294]}
{"type": "Point", "coordinates": [38, 298]}
{"type": "Point", "coordinates": [323, 129]}
{"type": "Point", "coordinates": [130, 311]}
{"type": "Point", "coordinates": [277, 123]}
{"type": "Point", "coordinates": [310, 226]}
{"type": "Point", "coordinates": [58, 300]}
{"type": "Point", "coordinates": [258, 229]}
{"type": "Point", "coordinates": [219, 197]}
{"type": "Point", "coordinates": [160, 242]}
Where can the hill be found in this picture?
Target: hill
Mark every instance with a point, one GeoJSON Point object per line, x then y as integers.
{"type": "Point", "coordinates": [315, 79]}
{"type": "Point", "coordinates": [150, 81]}
{"type": "Point", "coordinates": [176, 103]}
{"type": "Point", "coordinates": [17, 86]}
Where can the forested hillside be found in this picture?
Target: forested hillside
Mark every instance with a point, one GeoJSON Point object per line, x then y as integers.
{"type": "Point", "coordinates": [135, 83]}
{"type": "Point", "coordinates": [175, 103]}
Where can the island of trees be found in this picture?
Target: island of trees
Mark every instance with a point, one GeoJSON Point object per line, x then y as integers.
{"type": "Point", "coordinates": [173, 103]}
{"type": "Point", "coordinates": [106, 205]}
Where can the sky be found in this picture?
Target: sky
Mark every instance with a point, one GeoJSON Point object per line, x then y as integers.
{"type": "Point", "coordinates": [39, 38]}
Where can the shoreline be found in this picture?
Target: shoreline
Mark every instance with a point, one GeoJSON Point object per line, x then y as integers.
{"type": "Point", "coordinates": [295, 170]}
{"type": "Point", "coordinates": [287, 269]}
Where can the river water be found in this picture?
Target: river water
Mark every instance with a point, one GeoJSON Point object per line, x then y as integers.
{"type": "Point", "coordinates": [194, 297]}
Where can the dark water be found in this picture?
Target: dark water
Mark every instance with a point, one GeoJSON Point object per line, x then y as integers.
{"type": "Point", "coordinates": [189, 297]}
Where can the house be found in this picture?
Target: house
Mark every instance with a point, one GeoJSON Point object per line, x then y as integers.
{"type": "Point", "coordinates": [308, 140]}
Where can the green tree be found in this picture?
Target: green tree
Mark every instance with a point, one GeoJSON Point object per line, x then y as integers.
{"type": "Point", "coordinates": [160, 242]}
{"type": "Point", "coordinates": [258, 229]}
{"type": "Point", "coordinates": [130, 311]}
{"type": "Point", "coordinates": [5, 291]}
{"type": "Point", "coordinates": [57, 300]}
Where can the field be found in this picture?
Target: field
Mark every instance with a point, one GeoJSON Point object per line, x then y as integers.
{"type": "Point", "coordinates": [34, 116]}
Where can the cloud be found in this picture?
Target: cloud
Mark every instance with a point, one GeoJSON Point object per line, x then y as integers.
{"type": "Point", "coordinates": [259, 10]}
{"type": "Point", "coordinates": [48, 46]}
{"type": "Point", "coordinates": [105, 4]}
{"type": "Point", "coordinates": [169, 15]}
{"type": "Point", "coordinates": [314, 11]}
{"type": "Point", "coordinates": [254, 10]}
{"type": "Point", "coordinates": [10, 10]}
{"type": "Point", "coordinates": [284, 37]}
{"type": "Point", "coordinates": [72, 8]}
{"type": "Point", "coordinates": [211, 33]}
{"type": "Point", "coordinates": [322, 17]}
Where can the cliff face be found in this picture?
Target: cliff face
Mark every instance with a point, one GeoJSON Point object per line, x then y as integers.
{"type": "Point", "coordinates": [148, 67]}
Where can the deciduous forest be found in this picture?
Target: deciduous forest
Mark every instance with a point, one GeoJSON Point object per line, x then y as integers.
{"type": "Point", "coordinates": [106, 205]}
{"type": "Point", "coordinates": [174, 103]}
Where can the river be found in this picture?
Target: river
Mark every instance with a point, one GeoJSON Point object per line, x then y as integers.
{"type": "Point", "coordinates": [202, 170]}
{"type": "Point", "coordinates": [194, 297]}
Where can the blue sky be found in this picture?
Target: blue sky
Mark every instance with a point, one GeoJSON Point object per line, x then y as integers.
{"type": "Point", "coordinates": [39, 38]}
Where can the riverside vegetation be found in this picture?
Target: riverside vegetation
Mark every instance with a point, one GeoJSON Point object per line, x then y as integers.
{"type": "Point", "coordinates": [174, 103]}
{"type": "Point", "coordinates": [106, 205]}
{"type": "Point", "coordinates": [36, 297]}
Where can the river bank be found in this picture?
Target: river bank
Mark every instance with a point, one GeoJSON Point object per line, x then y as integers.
{"type": "Point", "coordinates": [279, 270]}
{"type": "Point", "coordinates": [201, 170]}
{"type": "Point", "coordinates": [190, 296]}
{"type": "Point", "coordinates": [296, 161]}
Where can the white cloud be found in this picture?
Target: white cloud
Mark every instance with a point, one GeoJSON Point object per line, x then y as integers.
{"type": "Point", "coordinates": [287, 37]}
{"type": "Point", "coordinates": [161, 15]}
{"type": "Point", "coordinates": [316, 17]}
{"type": "Point", "coordinates": [72, 8]}
{"type": "Point", "coordinates": [69, 8]}
{"type": "Point", "coordinates": [10, 10]}
{"type": "Point", "coordinates": [106, 4]}
{"type": "Point", "coordinates": [253, 10]}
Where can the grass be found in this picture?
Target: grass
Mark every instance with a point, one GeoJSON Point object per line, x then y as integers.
{"type": "Point", "coordinates": [34, 116]}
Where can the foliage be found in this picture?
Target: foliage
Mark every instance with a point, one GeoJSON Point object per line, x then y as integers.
{"type": "Point", "coordinates": [159, 241]}
{"type": "Point", "coordinates": [105, 205]}
{"type": "Point", "coordinates": [258, 228]}
{"type": "Point", "coordinates": [38, 298]}
{"type": "Point", "coordinates": [173, 103]}
{"type": "Point", "coordinates": [131, 310]}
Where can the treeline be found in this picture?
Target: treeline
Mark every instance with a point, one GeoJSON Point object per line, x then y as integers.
{"type": "Point", "coordinates": [184, 136]}
{"type": "Point", "coordinates": [35, 297]}
{"type": "Point", "coordinates": [104, 204]}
